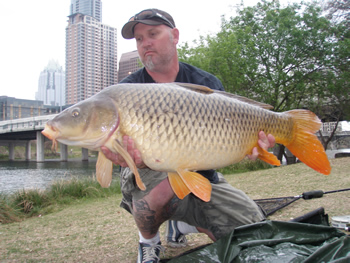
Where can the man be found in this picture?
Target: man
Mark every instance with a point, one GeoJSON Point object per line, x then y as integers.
{"type": "Point", "coordinates": [156, 39]}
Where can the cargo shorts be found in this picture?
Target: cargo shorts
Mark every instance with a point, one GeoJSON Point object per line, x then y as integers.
{"type": "Point", "coordinates": [227, 209]}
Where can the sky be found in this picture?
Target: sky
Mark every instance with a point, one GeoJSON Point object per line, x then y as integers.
{"type": "Point", "coordinates": [33, 33]}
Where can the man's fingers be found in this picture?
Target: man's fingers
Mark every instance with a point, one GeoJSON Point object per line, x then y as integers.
{"type": "Point", "coordinates": [138, 159]}
{"type": "Point", "coordinates": [129, 146]}
{"type": "Point", "coordinates": [272, 140]}
{"type": "Point", "coordinates": [106, 152]}
{"type": "Point", "coordinates": [114, 157]}
{"type": "Point", "coordinates": [266, 142]}
{"type": "Point", "coordinates": [254, 154]}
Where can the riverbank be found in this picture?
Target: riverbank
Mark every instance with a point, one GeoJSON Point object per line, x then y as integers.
{"type": "Point", "coordinates": [98, 230]}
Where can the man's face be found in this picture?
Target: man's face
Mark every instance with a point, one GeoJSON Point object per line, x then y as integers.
{"type": "Point", "coordinates": [156, 45]}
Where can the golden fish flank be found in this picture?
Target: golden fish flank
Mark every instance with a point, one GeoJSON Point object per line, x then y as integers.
{"type": "Point", "coordinates": [180, 128]}
{"type": "Point", "coordinates": [160, 131]}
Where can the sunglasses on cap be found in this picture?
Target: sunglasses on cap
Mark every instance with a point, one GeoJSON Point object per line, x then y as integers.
{"type": "Point", "coordinates": [151, 14]}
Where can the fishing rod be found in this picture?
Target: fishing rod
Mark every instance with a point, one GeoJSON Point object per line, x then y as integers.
{"type": "Point", "coordinates": [319, 193]}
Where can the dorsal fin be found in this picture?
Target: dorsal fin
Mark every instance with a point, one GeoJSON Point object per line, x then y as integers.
{"type": "Point", "coordinates": [195, 87]}
{"type": "Point", "coordinates": [245, 99]}
{"type": "Point", "coordinates": [205, 90]}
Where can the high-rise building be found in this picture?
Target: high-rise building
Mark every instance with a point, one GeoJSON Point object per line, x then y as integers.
{"type": "Point", "coordinates": [91, 57]}
{"type": "Point", "coordinates": [129, 63]}
{"type": "Point", "coordinates": [87, 7]}
{"type": "Point", "coordinates": [51, 88]}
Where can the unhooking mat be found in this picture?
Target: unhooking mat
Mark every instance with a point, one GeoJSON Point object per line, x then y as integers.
{"type": "Point", "coordinates": [275, 242]}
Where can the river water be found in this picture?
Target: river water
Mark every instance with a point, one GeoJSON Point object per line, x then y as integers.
{"type": "Point", "coordinates": [19, 175]}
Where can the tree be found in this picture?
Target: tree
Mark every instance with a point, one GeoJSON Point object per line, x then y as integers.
{"type": "Point", "coordinates": [268, 53]}
{"type": "Point", "coordinates": [339, 11]}
{"type": "Point", "coordinates": [336, 102]}
{"type": "Point", "coordinates": [292, 57]}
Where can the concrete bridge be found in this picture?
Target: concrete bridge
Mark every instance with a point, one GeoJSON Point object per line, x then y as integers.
{"type": "Point", "coordinates": [20, 132]}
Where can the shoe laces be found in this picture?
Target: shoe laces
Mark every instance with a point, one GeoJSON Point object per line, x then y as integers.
{"type": "Point", "coordinates": [182, 239]}
{"type": "Point", "coordinates": [150, 253]}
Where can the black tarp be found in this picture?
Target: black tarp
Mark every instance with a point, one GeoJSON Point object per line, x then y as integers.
{"type": "Point", "coordinates": [275, 241]}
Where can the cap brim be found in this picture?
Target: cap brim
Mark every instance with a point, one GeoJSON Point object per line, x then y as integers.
{"type": "Point", "coordinates": [128, 28]}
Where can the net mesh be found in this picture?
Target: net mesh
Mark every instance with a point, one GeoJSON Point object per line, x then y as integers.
{"type": "Point", "coordinates": [271, 205]}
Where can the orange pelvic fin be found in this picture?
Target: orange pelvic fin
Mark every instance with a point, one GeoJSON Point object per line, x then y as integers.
{"type": "Point", "coordinates": [196, 183]}
{"type": "Point", "coordinates": [104, 168]}
{"type": "Point", "coordinates": [178, 186]}
{"type": "Point", "coordinates": [119, 148]}
{"type": "Point", "coordinates": [268, 157]}
{"type": "Point", "coordinates": [305, 144]}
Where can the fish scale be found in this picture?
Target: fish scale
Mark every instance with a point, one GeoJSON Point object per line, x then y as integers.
{"type": "Point", "coordinates": [164, 114]}
{"type": "Point", "coordinates": [181, 128]}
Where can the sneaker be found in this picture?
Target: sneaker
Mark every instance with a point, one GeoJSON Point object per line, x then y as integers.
{"type": "Point", "coordinates": [173, 236]}
{"type": "Point", "coordinates": [149, 253]}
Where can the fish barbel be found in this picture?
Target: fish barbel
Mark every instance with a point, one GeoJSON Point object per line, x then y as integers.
{"type": "Point", "coordinates": [182, 128]}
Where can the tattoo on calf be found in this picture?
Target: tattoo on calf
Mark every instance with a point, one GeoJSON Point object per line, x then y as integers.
{"type": "Point", "coordinates": [145, 217]}
{"type": "Point", "coordinates": [149, 220]}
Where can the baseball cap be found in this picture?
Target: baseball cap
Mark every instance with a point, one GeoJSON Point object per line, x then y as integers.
{"type": "Point", "coordinates": [148, 17]}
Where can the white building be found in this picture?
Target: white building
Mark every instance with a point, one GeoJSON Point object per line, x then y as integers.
{"type": "Point", "coordinates": [51, 88]}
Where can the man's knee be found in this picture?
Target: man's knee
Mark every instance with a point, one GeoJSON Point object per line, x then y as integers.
{"type": "Point", "coordinates": [160, 195]}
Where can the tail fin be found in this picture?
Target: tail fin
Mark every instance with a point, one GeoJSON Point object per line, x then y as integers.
{"type": "Point", "coordinates": [305, 144]}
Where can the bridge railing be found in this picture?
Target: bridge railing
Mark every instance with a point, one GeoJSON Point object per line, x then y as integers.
{"type": "Point", "coordinates": [25, 124]}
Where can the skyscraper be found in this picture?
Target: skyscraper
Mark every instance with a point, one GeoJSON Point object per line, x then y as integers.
{"type": "Point", "coordinates": [51, 87]}
{"type": "Point", "coordinates": [129, 63]}
{"type": "Point", "coordinates": [91, 56]}
{"type": "Point", "coordinates": [87, 7]}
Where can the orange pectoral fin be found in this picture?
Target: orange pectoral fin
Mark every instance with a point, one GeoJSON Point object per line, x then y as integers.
{"type": "Point", "coordinates": [178, 185]}
{"type": "Point", "coordinates": [268, 157]}
{"type": "Point", "coordinates": [104, 168]}
{"type": "Point", "coordinates": [119, 148]}
{"type": "Point", "coordinates": [197, 184]}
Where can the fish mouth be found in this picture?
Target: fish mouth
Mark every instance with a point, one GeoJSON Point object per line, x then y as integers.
{"type": "Point", "coordinates": [51, 133]}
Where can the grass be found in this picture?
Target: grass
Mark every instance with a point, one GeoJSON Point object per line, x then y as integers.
{"type": "Point", "coordinates": [96, 229]}
{"type": "Point", "coordinates": [28, 203]}
{"type": "Point", "coordinates": [245, 166]}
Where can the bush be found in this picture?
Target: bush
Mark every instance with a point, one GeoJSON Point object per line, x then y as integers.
{"type": "Point", "coordinates": [82, 188]}
{"type": "Point", "coordinates": [31, 201]}
{"type": "Point", "coordinates": [7, 213]}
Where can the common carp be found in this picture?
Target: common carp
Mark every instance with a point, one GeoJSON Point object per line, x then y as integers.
{"type": "Point", "coordinates": [182, 128]}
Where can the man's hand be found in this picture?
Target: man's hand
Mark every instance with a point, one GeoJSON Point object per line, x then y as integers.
{"type": "Point", "coordinates": [129, 146]}
{"type": "Point", "coordinates": [264, 142]}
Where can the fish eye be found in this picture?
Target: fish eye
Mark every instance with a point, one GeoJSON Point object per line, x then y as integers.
{"type": "Point", "coordinates": [75, 113]}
